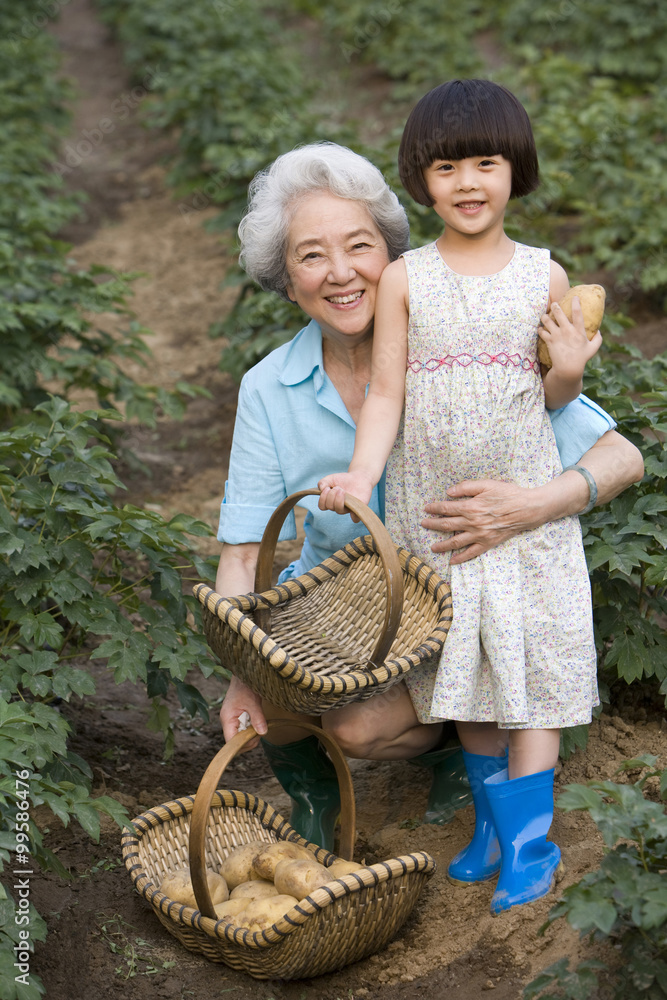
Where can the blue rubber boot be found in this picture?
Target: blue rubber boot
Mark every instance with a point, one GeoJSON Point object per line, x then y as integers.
{"type": "Point", "coordinates": [308, 776]}
{"type": "Point", "coordinates": [450, 789]}
{"type": "Point", "coordinates": [480, 860]}
{"type": "Point", "coordinates": [522, 810]}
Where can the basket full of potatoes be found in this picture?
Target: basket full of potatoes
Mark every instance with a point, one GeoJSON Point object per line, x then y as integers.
{"type": "Point", "coordinates": [233, 881]}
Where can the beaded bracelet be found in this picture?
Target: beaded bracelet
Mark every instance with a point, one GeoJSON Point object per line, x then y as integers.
{"type": "Point", "coordinates": [592, 486]}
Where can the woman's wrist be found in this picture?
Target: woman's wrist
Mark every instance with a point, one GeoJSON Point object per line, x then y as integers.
{"type": "Point", "coordinates": [590, 482]}
{"type": "Point", "coordinates": [564, 496]}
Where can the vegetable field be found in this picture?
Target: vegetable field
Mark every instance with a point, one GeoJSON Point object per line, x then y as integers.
{"type": "Point", "coordinates": [130, 132]}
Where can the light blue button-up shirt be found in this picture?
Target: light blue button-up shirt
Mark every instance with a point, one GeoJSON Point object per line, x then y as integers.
{"type": "Point", "coordinates": [292, 428]}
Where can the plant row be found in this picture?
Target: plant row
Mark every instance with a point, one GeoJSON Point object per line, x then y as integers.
{"type": "Point", "coordinates": [82, 579]}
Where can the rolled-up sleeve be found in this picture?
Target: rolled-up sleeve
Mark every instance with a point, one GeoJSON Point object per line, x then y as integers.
{"type": "Point", "coordinates": [577, 427]}
{"type": "Point", "coordinates": [255, 485]}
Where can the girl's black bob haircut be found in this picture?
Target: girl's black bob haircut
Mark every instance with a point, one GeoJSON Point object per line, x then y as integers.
{"type": "Point", "coordinates": [463, 118]}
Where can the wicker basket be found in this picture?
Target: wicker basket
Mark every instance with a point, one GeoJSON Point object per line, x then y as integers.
{"type": "Point", "coordinates": [349, 919]}
{"type": "Point", "coordinates": [307, 645]}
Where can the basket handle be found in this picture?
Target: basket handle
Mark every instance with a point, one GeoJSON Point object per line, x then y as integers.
{"type": "Point", "coordinates": [209, 784]}
{"type": "Point", "coordinates": [386, 550]}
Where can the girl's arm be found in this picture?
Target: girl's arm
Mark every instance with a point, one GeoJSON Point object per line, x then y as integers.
{"type": "Point", "coordinates": [568, 345]}
{"type": "Point", "coordinates": [381, 412]}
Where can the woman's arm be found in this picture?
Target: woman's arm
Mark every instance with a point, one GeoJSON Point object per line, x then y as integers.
{"type": "Point", "coordinates": [485, 513]}
{"type": "Point", "coordinates": [236, 575]}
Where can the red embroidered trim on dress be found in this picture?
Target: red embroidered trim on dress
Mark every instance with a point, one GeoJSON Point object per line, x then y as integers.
{"type": "Point", "coordinates": [464, 360]}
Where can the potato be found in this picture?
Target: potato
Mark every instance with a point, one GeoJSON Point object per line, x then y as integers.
{"type": "Point", "coordinates": [178, 885]}
{"type": "Point", "coordinates": [265, 862]}
{"type": "Point", "coordinates": [299, 878]}
{"type": "Point", "coordinates": [341, 867]}
{"type": "Point", "coordinates": [259, 914]}
{"type": "Point", "coordinates": [230, 910]}
{"type": "Point", "coordinates": [238, 867]}
{"type": "Point", "coordinates": [258, 889]}
{"type": "Point", "coordinates": [592, 304]}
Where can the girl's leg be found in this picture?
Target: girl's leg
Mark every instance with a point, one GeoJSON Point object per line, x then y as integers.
{"type": "Point", "coordinates": [521, 804]}
{"type": "Point", "coordinates": [484, 738]}
{"type": "Point", "coordinates": [532, 751]}
{"type": "Point", "coordinates": [484, 754]}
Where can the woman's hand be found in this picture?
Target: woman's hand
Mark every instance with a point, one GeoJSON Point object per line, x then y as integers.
{"type": "Point", "coordinates": [482, 513]}
{"type": "Point", "coordinates": [335, 487]}
{"type": "Point", "coordinates": [239, 699]}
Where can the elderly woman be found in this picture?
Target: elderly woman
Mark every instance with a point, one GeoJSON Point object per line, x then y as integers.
{"type": "Point", "coordinates": [322, 225]}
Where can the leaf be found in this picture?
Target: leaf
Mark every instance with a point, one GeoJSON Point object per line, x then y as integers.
{"type": "Point", "coordinates": [578, 797]}
{"type": "Point", "coordinates": [588, 912]}
{"type": "Point", "coordinates": [89, 819]}
{"type": "Point", "coordinates": [573, 738]}
{"type": "Point", "coordinates": [631, 656]}
{"type": "Point", "coordinates": [41, 627]}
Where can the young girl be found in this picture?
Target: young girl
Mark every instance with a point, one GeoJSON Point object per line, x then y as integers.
{"type": "Point", "coordinates": [455, 346]}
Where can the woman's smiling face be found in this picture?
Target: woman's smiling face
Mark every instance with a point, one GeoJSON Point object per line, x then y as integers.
{"type": "Point", "coordinates": [335, 256]}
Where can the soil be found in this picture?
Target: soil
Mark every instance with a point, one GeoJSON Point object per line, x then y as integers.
{"type": "Point", "coordinates": [103, 939]}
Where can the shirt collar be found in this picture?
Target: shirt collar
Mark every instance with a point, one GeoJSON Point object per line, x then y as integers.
{"type": "Point", "coordinates": [304, 356]}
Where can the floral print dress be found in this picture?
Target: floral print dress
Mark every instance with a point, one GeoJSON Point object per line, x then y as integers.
{"type": "Point", "coordinates": [520, 651]}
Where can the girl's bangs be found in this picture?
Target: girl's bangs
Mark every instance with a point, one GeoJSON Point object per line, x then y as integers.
{"type": "Point", "coordinates": [464, 139]}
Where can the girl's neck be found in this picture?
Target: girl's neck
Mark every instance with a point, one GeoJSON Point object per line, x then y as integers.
{"type": "Point", "coordinates": [486, 253]}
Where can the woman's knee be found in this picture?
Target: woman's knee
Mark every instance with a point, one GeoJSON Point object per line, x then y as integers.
{"type": "Point", "coordinates": [368, 730]}
{"type": "Point", "coordinates": [353, 731]}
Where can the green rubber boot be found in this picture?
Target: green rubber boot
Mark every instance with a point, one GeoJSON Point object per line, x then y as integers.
{"type": "Point", "coordinates": [308, 776]}
{"type": "Point", "coordinates": [450, 788]}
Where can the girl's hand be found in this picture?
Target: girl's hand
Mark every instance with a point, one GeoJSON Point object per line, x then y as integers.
{"type": "Point", "coordinates": [239, 699]}
{"type": "Point", "coordinates": [336, 486]}
{"type": "Point", "coordinates": [568, 344]}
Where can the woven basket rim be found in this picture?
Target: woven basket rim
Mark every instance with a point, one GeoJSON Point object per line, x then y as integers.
{"type": "Point", "coordinates": [322, 897]}
{"type": "Point", "coordinates": [232, 611]}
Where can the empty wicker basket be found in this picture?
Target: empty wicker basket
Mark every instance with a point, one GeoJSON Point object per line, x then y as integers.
{"type": "Point", "coordinates": [308, 644]}
{"type": "Point", "coordinates": [346, 920]}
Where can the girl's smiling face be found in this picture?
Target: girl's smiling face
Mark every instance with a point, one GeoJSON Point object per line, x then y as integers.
{"type": "Point", "coordinates": [470, 195]}
{"type": "Point", "coordinates": [335, 256]}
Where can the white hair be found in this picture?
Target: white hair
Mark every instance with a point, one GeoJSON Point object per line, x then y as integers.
{"type": "Point", "coordinates": [319, 166]}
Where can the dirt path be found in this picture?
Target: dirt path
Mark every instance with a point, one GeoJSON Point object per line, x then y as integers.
{"type": "Point", "coordinates": [103, 939]}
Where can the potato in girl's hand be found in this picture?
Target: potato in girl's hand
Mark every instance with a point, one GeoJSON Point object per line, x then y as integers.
{"type": "Point", "coordinates": [592, 299]}
{"type": "Point", "coordinates": [178, 885]}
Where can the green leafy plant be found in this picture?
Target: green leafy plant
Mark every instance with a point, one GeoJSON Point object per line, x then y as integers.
{"type": "Point", "coordinates": [46, 299]}
{"type": "Point", "coordinates": [417, 44]}
{"type": "Point", "coordinates": [81, 579]}
{"type": "Point", "coordinates": [625, 542]}
{"type": "Point", "coordinates": [604, 39]}
{"type": "Point", "coordinates": [624, 902]}
{"type": "Point", "coordinates": [232, 116]}
{"type": "Point", "coordinates": [602, 200]}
